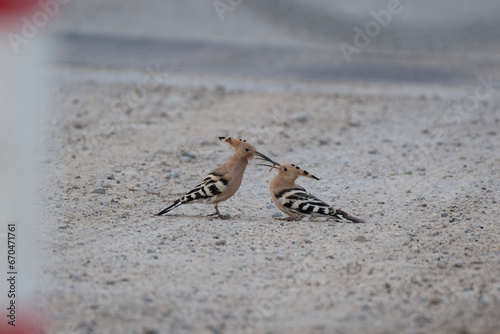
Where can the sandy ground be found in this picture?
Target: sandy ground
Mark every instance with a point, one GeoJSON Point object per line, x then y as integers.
{"type": "Point", "coordinates": [426, 180]}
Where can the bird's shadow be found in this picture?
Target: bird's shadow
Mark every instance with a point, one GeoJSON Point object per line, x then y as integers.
{"type": "Point", "coordinates": [205, 217]}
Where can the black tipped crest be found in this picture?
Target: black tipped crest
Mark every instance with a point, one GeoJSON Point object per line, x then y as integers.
{"type": "Point", "coordinates": [300, 171]}
{"type": "Point", "coordinates": [306, 173]}
{"type": "Point", "coordinates": [222, 138]}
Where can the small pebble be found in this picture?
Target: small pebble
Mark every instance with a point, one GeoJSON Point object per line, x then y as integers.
{"type": "Point", "coordinates": [323, 142]}
{"type": "Point", "coordinates": [101, 191]}
{"type": "Point", "coordinates": [220, 242]}
{"type": "Point", "coordinates": [277, 215]}
{"type": "Point", "coordinates": [281, 257]}
{"type": "Point", "coordinates": [148, 298]}
{"type": "Point", "coordinates": [444, 214]}
{"type": "Point", "coordinates": [74, 276]}
{"type": "Point", "coordinates": [302, 118]}
{"type": "Point", "coordinates": [409, 172]}
{"type": "Point", "coordinates": [420, 169]}
{"type": "Point", "coordinates": [172, 175]}
{"type": "Point", "coordinates": [150, 331]}
{"type": "Point", "coordinates": [110, 177]}
{"type": "Point", "coordinates": [189, 155]}
{"type": "Point", "coordinates": [161, 152]}
{"type": "Point", "coordinates": [381, 202]}
{"type": "Point", "coordinates": [152, 191]}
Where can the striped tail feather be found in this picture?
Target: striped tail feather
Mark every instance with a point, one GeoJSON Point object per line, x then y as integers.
{"type": "Point", "coordinates": [170, 208]}
{"type": "Point", "coordinates": [344, 215]}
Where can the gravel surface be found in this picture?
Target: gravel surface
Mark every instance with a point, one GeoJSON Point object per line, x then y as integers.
{"type": "Point", "coordinates": [426, 179]}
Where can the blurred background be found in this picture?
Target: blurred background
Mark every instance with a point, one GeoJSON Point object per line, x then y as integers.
{"type": "Point", "coordinates": [445, 41]}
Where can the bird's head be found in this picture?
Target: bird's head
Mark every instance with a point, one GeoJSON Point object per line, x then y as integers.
{"type": "Point", "coordinates": [288, 171]}
{"type": "Point", "coordinates": [292, 171]}
{"type": "Point", "coordinates": [241, 147]}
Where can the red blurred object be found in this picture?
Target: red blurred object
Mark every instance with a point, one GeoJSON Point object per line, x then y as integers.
{"type": "Point", "coordinates": [17, 7]}
{"type": "Point", "coordinates": [29, 321]}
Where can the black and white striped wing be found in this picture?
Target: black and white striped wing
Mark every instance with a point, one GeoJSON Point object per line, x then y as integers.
{"type": "Point", "coordinates": [208, 190]}
{"type": "Point", "coordinates": [297, 201]}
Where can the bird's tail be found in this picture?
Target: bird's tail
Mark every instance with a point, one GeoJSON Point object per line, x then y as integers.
{"type": "Point", "coordinates": [344, 215]}
{"type": "Point", "coordinates": [173, 206]}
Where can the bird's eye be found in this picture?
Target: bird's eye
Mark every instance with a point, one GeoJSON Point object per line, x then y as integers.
{"type": "Point", "coordinates": [247, 150]}
{"type": "Point", "coordinates": [286, 170]}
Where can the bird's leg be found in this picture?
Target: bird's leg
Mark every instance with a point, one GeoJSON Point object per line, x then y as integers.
{"type": "Point", "coordinates": [217, 213]}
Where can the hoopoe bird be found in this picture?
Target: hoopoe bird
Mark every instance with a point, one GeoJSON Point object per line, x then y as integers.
{"type": "Point", "coordinates": [222, 182]}
{"type": "Point", "coordinates": [295, 201]}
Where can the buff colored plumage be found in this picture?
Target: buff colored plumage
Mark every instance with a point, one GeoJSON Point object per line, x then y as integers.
{"type": "Point", "coordinates": [222, 182]}
{"type": "Point", "coordinates": [295, 201]}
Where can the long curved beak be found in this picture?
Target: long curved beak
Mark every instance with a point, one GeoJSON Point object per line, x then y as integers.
{"type": "Point", "coordinates": [264, 157]}
{"type": "Point", "coordinates": [270, 162]}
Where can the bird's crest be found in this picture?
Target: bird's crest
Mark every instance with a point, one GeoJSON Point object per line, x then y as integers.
{"type": "Point", "coordinates": [286, 168]}
{"type": "Point", "coordinates": [234, 142]}
{"type": "Point", "coordinates": [303, 172]}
